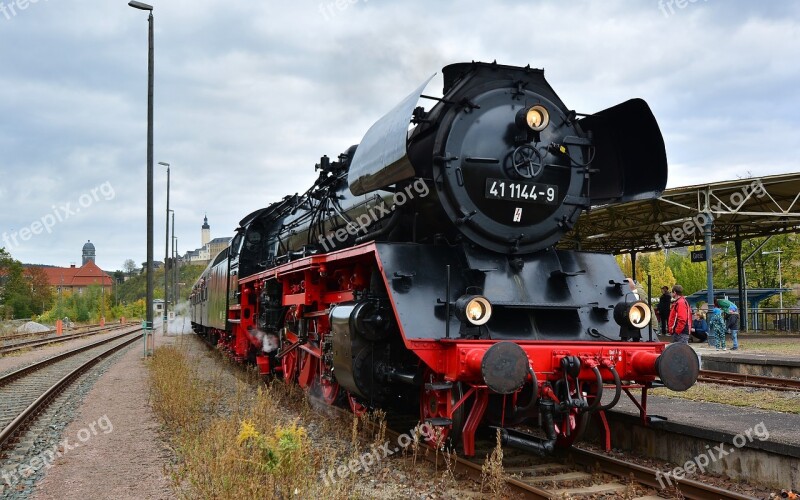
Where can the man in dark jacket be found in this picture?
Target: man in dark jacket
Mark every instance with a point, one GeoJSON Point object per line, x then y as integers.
{"type": "Point", "coordinates": [664, 303]}
{"type": "Point", "coordinates": [732, 325]}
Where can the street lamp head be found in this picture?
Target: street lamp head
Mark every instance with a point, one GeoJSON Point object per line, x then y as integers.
{"type": "Point", "coordinates": [140, 5]}
{"type": "Point", "coordinates": [164, 163]}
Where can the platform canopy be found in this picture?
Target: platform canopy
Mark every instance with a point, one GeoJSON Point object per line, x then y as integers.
{"type": "Point", "coordinates": [741, 209]}
{"type": "Point", "coordinates": [754, 295]}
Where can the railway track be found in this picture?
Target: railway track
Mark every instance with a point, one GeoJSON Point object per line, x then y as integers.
{"type": "Point", "coordinates": [27, 391]}
{"type": "Point", "coordinates": [39, 342]}
{"type": "Point", "coordinates": [582, 473]}
{"type": "Point", "coordinates": [743, 380]}
{"type": "Point", "coordinates": [24, 335]}
{"type": "Point", "coordinates": [578, 473]}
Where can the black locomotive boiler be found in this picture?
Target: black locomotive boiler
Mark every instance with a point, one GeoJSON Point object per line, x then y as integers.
{"type": "Point", "coordinates": [420, 269]}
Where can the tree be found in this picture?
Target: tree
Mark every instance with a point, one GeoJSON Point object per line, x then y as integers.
{"type": "Point", "coordinates": [129, 266]}
{"type": "Point", "coordinates": [654, 264]}
{"type": "Point", "coordinates": [761, 270]}
{"type": "Point", "coordinates": [16, 292]}
{"type": "Point", "coordinates": [41, 291]}
{"type": "Point", "coordinates": [690, 275]}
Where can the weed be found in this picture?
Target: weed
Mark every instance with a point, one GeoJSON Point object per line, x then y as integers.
{"type": "Point", "coordinates": [492, 473]}
{"type": "Point", "coordinates": [248, 446]}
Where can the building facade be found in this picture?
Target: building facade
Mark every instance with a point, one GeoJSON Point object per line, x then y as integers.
{"type": "Point", "coordinates": [77, 279]}
{"type": "Point", "coordinates": [209, 247]}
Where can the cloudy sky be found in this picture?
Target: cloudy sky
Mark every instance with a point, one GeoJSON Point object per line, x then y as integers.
{"type": "Point", "coordinates": [250, 94]}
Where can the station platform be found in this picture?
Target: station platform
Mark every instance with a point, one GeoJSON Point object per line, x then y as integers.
{"type": "Point", "coordinates": [748, 361]}
{"type": "Point", "coordinates": [762, 445]}
{"type": "Point", "coordinates": [716, 422]}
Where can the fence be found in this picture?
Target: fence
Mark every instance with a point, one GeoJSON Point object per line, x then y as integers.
{"type": "Point", "coordinates": [774, 319]}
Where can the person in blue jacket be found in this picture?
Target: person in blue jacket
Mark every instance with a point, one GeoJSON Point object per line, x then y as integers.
{"type": "Point", "coordinates": [717, 325]}
{"type": "Point", "coordinates": [699, 328]}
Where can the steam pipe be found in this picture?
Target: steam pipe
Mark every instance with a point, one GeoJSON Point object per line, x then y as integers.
{"type": "Point", "coordinates": [596, 403]}
{"type": "Point", "coordinates": [618, 389]}
{"type": "Point", "coordinates": [534, 445]}
{"type": "Point", "coordinates": [393, 220]}
{"type": "Point", "coordinates": [534, 393]}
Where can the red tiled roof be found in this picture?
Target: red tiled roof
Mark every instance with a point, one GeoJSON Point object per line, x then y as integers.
{"type": "Point", "coordinates": [87, 275]}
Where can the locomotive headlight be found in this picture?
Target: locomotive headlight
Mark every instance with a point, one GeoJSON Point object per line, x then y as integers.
{"type": "Point", "coordinates": [634, 314]}
{"type": "Point", "coordinates": [536, 118]}
{"type": "Point", "coordinates": [474, 309]}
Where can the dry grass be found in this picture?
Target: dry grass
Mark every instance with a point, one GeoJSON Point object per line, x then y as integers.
{"type": "Point", "coordinates": [493, 474]}
{"type": "Point", "coordinates": [787, 402]}
{"type": "Point", "coordinates": [177, 394]}
{"type": "Point", "coordinates": [773, 346]}
{"type": "Point", "coordinates": [274, 442]}
{"type": "Point", "coordinates": [246, 447]}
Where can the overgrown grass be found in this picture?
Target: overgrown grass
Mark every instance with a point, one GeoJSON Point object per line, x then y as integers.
{"type": "Point", "coordinates": [270, 443]}
{"type": "Point", "coordinates": [764, 399]}
{"type": "Point", "coordinates": [177, 394]}
{"type": "Point", "coordinates": [493, 474]}
{"type": "Point", "coordinates": [242, 446]}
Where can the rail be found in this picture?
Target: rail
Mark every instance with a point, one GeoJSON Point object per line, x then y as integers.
{"type": "Point", "coordinates": [37, 405]}
{"type": "Point", "coordinates": [28, 344]}
{"type": "Point", "coordinates": [744, 380]}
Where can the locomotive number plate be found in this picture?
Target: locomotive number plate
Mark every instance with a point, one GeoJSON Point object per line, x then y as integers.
{"type": "Point", "coordinates": [498, 189]}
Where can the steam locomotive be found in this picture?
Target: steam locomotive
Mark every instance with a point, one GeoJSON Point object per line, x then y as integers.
{"type": "Point", "coordinates": [421, 268]}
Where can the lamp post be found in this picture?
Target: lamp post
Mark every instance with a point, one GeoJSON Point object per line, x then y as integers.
{"type": "Point", "coordinates": [150, 79]}
{"type": "Point", "coordinates": [174, 267]}
{"type": "Point", "coordinates": [166, 256]}
{"type": "Point", "coordinates": [176, 293]}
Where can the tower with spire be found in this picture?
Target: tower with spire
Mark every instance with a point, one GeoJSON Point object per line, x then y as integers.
{"type": "Point", "coordinates": [205, 232]}
{"type": "Point", "coordinates": [88, 253]}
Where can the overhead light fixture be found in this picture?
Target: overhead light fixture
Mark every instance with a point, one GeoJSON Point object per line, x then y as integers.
{"type": "Point", "coordinates": [140, 5]}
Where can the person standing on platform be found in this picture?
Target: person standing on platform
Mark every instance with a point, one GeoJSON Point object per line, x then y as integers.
{"type": "Point", "coordinates": [716, 327]}
{"type": "Point", "coordinates": [732, 325]}
{"type": "Point", "coordinates": [680, 317]}
{"type": "Point", "coordinates": [664, 303]}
